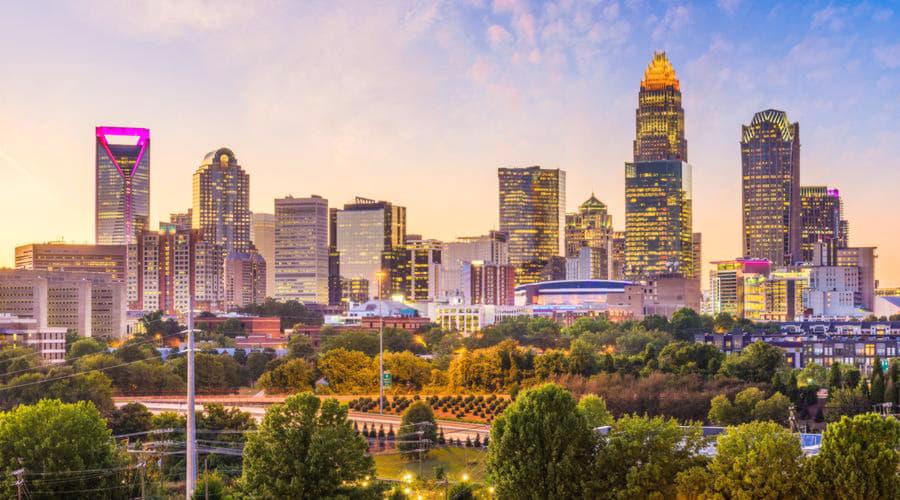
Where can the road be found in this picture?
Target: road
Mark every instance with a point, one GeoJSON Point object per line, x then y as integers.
{"type": "Point", "coordinates": [455, 430]}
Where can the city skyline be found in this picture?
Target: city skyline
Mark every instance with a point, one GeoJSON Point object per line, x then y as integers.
{"type": "Point", "coordinates": [583, 83]}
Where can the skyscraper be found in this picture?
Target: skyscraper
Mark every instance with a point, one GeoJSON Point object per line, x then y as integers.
{"type": "Point", "coordinates": [490, 248]}
{"type": "Point", "coordinates": [658, 219]}
{"type": "Point", "coordinates": [367, 237]}
{"type": "Point", "coordinates": [245, 279]}
{"type": "Point", "coordinates": [122, 203]}
{"type": "Point", "coordinates": [590, 227]}
{"type": "Point", "coordinates": [532, 213]}
{"type": "Point", "coordinates": [301, 249]}
{"type": "Point", "coordinates": [221, 202]}
{"type": "Point", "coordinates": [262, 234]}
{"type": "Point", "coordinates": [424, 261]}
{"type": "Point", "coordinates": [697, 254]}
{"type": "Point", "coordinates": [821, 220]}
{"type": "Point", "coordinates": [660, 117]}
{"type": "Point", "coordinates": [770, 158]}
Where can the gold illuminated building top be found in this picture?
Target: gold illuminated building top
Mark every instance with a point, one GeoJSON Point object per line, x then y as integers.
{"type": "Point", "coordinates": [660, 74]}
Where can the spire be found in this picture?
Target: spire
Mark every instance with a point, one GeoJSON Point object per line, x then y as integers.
{"type": "Point", "coordinates": [660, 74]}
{"type": "Point", "coordinates": [592, 204]}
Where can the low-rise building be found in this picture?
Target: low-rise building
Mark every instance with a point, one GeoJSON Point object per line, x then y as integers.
{"type": "Point", "coordinates": [468, 319]}
{"type": "Point", "coordinates": [48, 342]}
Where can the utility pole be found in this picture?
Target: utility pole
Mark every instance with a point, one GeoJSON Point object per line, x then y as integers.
{"type": "Point", "coordinates": [20, 482]}
{"type": "Point", "coordinates": [380, 275]}
{"type": "Point", "coordinates": [206, 476]}
{"type": "Point", "coordinates": [143, 466]}
{"type": "Point", "coordinates": [191, 455]}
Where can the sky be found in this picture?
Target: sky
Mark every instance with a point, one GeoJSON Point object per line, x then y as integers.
{"type": "Point", "coordinates": [419, 103]}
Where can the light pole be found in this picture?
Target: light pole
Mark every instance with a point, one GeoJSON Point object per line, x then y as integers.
{"type": "Point", "coordinates": [191, 452]}
{"type": "Point", "coordinates": [380, 275]}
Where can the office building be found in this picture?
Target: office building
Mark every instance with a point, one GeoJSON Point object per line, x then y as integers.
{"type": "Point", "coordinates": [488, 283]}
{"type": "Point", "coordinates": [424, 268]}
{"type": "Point", "coordinates": [697, 255]}
{"type": "Point", "coordinates": [590, 227]}
{"type": "Point", "coordinates": [455, 255]}
{"type": "Point", "coordinates": [262, 234]}
{"type": "Point", "coordinates": [726, 283]}
{"type": "Point", "coordinates": [832, 291]}
{"type": "Point", "coordinates": [48, 342]}
{"type": "Point", "coordinates": [301, 249]}
{"type": "Point", "coordinates": [532, 214]}
{"type": "Point", "coordinates": [90, 304]}
{"type": "Point", "coordinates": [174, 264]}
{"type": "Point", "coordinates": [617, 256]}
{"type": "Point", "coordinates": [221, 202]}
{"type": "Point", "coordinates": [110, 260]}
{"type": "Point", "coordinates": [122, 202]}
{"type": "Point", "coordinates": [245, 280]}
{"type": "Point", "coordinates": [659, 124]}
{"type": "Point", "coordinates": [469, 319]}
{"type": "Point", "coordinates": [770, 159]}
{"type": "Point", "coordinates": [821, 220]}
{"type": "Point", "coordinates": [658, 219]}
{"type": "Point", "coordinates": [367, 238]}
{"type": "Point", "coordinates": [181, 220]}
{"type": "Point", "coordinates": [864, 259]}
{"type": "Point", "coordinates": [776, 297]}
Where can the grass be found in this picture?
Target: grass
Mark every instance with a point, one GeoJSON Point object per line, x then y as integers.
{"type": "Point", "coordinates": [456, 462]}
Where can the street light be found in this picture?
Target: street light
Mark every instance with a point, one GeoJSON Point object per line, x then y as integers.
{"type": "Point", "coordinates": [380, 275]}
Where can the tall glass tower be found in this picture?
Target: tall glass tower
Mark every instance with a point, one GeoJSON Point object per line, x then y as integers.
{"type": "Point", "coordinates": [770, 161]}
{"type": "Point", "coordinates": [221, 207]}
{"type": "Point", "coordinates": [822, 220]}
{"type": "Point", "coordinates": [659, 123]}
{"type": "Point", "coordinates": [122, 203]}
{"type": "Point", "coordinates": [533, 214]}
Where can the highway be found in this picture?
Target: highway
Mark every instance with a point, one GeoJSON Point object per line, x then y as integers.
{"type": "Point", "coordinates": [456, 430]}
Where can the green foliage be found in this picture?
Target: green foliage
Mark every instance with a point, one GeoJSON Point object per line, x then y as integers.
{"type": "Point", "coordinates": [834, 376]}
{"type": "Point", "coordinates": [876, 388]}
{"type": "Point", "coordinates": [859, 459]}
{"type": "Point", "coordinates": [685, 324]}
{"type": "Point", "coordinates": [145, 377]}
{"type": "Point", "coordinates": [291, 376]}
{"type": "Point", "coordinates": [15, 360]}
{"type": "Point", "coordinates": [154, 324]}
{"type": "Point", "coordinates": [641, 457]}
{"type": "Point", "coordinates": [291, 312]}
{"type": "Point", "coordinates": [539, 446]}
{"type": "Point", "coordinates": [491, 369]}
{"type": "Point", "coordinates": [723, 322]}
{"type": "Point", "coordinates": [225, 427]}
{"type": "Point", "coordinates": [348, 372]}
{"type": "Point", "coordinates": [418, 431]}
{"type": "Point", "coordinates": [582, 359]}
{"type": "Point", "coordinates": [755, 460]}
{"type": "Point", "coordinates": [461, 491]}
{"type": "Point", "coordinates": [211, 486]}
{"type": "Point", "coordinates": [305, 448]}
{"type": "Point", "coordinates": [758, 362]}
{"type": "Point", "coordinates": [595, 412]}
{"type": "Point", "coordinates": [256, 364]}
{"type": "Point", "coordinates": [690, 357]}
{"type": "Point", "coordinates": [749, 404]}
{"type": "Point", "coordinates": [215, 373]}
{"type": "Point", "coordinates": [845, 402]}
{"type": "Point", "coordinates": [84, 347]}
{"type": "Point", "coordinates": [551, 363]}
{"type": "Point", "coordinates": [131, 418]}
{"type": "Point", "coordinates": [406, 369]}
{"type": "Point", "coordinates": [55, 437]}
{"type": "Point", "coordinates": [300, 347]}
{"type": "Point", "coordinates": [352, 340]}
{"type": "Point", "coordinates": [813, 374]}
{"type": "Point", "coordinates": [635, 341]}
{"type": "Point", "coordinates": [59, 383]}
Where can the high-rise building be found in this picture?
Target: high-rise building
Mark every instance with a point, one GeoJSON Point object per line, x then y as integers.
{"type": "Point", "coordinates": [770, 158]}
{"type": "Point", "coordinates": [182, 220]}
{"type": "Point", "coordinates": [245, 279]}
{"type": "Point", "coordinates": [490, 284]}
{"type": "Point", "coordinates": [424, 261]}
{"type": "Point", "coordinates": [660, 118]}
{"type": "Point", "coordinates": [489, 248]}
{"type": "Point", "coordinates": [658, 219]}
{"type": "Point", "coordinates": [221, 202]}
{"type": "Point", "coordinates": [122, 203]}
{"type": "Point", "coordinates": [777, 296]}
{"type": "Point", "coordinates": [301, 249]}
{"type": "Point", "coordinates": [697, 255]}
{"type": "Point", "coordinates": [532, 213]}
{"type": "Point", "coordinates": [617, 256]}
{"type": "Point", "coordinates": [173, 264]}
{"type": "Point", "coordinates": [864, 259]}
{"type": "Point", "coordinates": [726, 283]}
{"type": "Point", "coordinates": [109, 260]}
{"type": "Point", "coordinates": [821, 220]}
{"type": "Point", "coordinates": [262, 234]}
{"type": "Point", "coordinates": [590, 227]}
{"type": "Point", "coordinates": [367, 238]}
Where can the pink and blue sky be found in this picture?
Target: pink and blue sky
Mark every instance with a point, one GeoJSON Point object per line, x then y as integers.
{"type": "Point", "coordinates": [419, 102]}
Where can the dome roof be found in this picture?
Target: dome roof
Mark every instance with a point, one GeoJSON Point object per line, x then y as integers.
{"type": "Point", "coordinates": [215, 156]}
{"type": "Point", "coordinates": [660, 74]}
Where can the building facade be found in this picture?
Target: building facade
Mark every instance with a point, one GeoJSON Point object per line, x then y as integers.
{"type": "Point", "coordinates": [48, 342]}
{"type": "Point", "coordinates": [367, 238]}
{"type": "Point", "coordinates": [658, 219]}
{"type": "Point", "coordinates": [262, 234]}
{"type": "Point", "coordinates": [770, 162]}
{"type": "Point", "coordinates": [491, 284]}
{"type": "Point", "coordinates": [864, 259]}
{"type": "Point", "coordinates": [532, 214]}
{"type": "Point", "coordinates": [659, 119]}
{"type": "Point", "coordinates": [821, 220]}
{"type": "Point", "coordinates": [122, 201]}
{"type": "Point", "coordinates": [221, 202]}
{"type": "Point", "coordinates": [726, 283]}
{"type": "Point", "coordinates": [455, 255]}
{"type": "Point", "coordinates": [110, 260]}
{"type": "Point", "coordinates": [245, 280]}
{"type": "Point", "coordinates": [590, 227]}
{"type": "Point", "coordinates": [301, 249]}
{"type": "Point", "coordinates": [423, 258]}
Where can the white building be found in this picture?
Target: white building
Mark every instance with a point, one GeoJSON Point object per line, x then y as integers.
{"type": "Point", "coordinates": [468, 319]}
{"type": "Point", "coordinates": [49, 342]}
{"type": "Point", "coordinates": [490, 248]}
{"type": "Point", "coordinates": [832, 291]}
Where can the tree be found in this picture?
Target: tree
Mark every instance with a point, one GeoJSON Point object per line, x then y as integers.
{"type": "Point", "coordinates": [655, 322]}
{"type": "Point", "coordinates": [539, 446]}
{"type": "Point", "coordinates": [348, 371]}
{"type": "Point", "coordinates": [60, 383]}
{"type": "Point", "coordinates": [876, 391]}
{"type": "Point", "coordinates": [690, 357]}
{"type": "Point", "coordinates": [57, 439]}
{"type": "Point", "coordinates": [129, 419]}
{"type": "Point", "coordinates": [834, 376]}
{"type": "Point", "coordinates": [210, 486]}
{"type": "Point", "coordinates": [83, 347]}
{"type": "Point", "coordinates": [293, 375]}
{"type": "Point", "coordinates": [813, 374]}
{"type": "Point", "coordinates": [641, 457]}
{"type": "Point", "coordinates": [550, 364]}
{"type": "Point", "coordinates": [858, 459]}
{"type": "Point", "coordinates": [418, 431]}
{"type": "Point", "coordinates": [582, 359]}
{"type": "Point", "coordinates": [723, 322]}
{"type": "Point", "coordinates": [776, 408]}
{"type": "Point", "coordinates": [685, 324]}
{"type": "Point", "coordinates": [845, 402]}
{"type": "Point", "coordinates": [635, 341]}
{"type": "Point", "coordinates": [755, 460]}
{"type": "Point", "coordinates": [461, 491]}
{"type": "Point", "coordinates": [256, 364]}
{"type": "Point", "coordinates": [758, 362]}
{"type": "Point", "coordinates": [300, 347]}
{"type": "Point", "coordinates": [305, 448]}
{"type": "Point", "coordinates": [595, 412]}
{"type": "Point", "coordinates": [352, 340]}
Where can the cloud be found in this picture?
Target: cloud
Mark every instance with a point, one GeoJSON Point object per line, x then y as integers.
{"type": "Point", "coordinates": [497, 35]}
{"type": "Point", "coordinates": [888, 55]}
{"type": "Point", "coordinates": [674, 20]}
{"type": "Point", "coordinates": [729, 6]}
{"type": "Point", "coordinates": [831, 17]}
